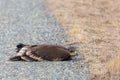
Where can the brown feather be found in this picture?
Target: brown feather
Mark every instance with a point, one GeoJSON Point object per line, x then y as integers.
{"type": "Point", "coordinates": [43, 53]}
{"type": "Point", "coordinates": [50, 52]}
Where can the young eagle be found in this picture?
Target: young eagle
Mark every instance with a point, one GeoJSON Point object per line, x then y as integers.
{"type": "Point", "coordinates": [43, 53]}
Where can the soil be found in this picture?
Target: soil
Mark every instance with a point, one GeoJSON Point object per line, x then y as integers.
{"type": "Point", "coordinates": [94, 24]}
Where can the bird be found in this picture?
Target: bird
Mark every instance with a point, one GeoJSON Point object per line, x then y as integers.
{"type": "Point", "coordinates": [43, 52]}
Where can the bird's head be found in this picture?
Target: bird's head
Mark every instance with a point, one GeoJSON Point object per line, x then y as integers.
{"type": "Point", "coordinates": [19, 47]}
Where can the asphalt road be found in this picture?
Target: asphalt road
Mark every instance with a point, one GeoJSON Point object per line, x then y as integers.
{"type": "Point", "coordinates": [30, 22]}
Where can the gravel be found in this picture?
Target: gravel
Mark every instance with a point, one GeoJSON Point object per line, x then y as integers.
{"type": "Point", "coordinates": [30, 22]}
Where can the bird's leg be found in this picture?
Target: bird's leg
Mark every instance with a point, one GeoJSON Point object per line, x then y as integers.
{"type": "Point", "coordinates": [73, 51]}
{"type": "Point", "coordinates": [73, 54]}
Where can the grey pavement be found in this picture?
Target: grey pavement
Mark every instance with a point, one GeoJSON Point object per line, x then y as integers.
{"type": "Point", "coordinates": [30, 22]}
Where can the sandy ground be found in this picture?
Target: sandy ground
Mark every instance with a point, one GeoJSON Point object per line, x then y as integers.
{"type": "Point", "coordinates": [95, 25]}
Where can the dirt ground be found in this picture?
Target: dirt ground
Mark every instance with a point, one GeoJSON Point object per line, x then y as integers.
{"type": "Point", "coordinates": [95, 25]}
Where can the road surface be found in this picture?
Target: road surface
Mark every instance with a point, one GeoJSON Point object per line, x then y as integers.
{"type": "Point", "coordinates": [30, 22]}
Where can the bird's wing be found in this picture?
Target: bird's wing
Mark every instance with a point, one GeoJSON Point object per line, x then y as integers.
{"type": "Point", "coordinates": [15, 58]}
{"type": "Point", "coordinates": [27, 58]}
{"type": "Point", "coordinates": [34, 56]}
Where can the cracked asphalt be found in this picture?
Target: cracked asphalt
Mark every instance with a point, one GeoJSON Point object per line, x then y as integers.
{"type": "Point", "coordinates": [30, 22]}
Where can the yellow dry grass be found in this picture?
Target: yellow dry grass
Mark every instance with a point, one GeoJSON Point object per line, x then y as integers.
{"type": "Point", "coordinates": [114, 65]}
{"type": "Point", "coordinates": [95, 24]}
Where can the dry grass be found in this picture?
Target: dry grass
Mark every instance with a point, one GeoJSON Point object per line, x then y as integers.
{"type": "Point", "coordinates": [115, 65]}
{"type": "Point", "coordinates": [95, 24]}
